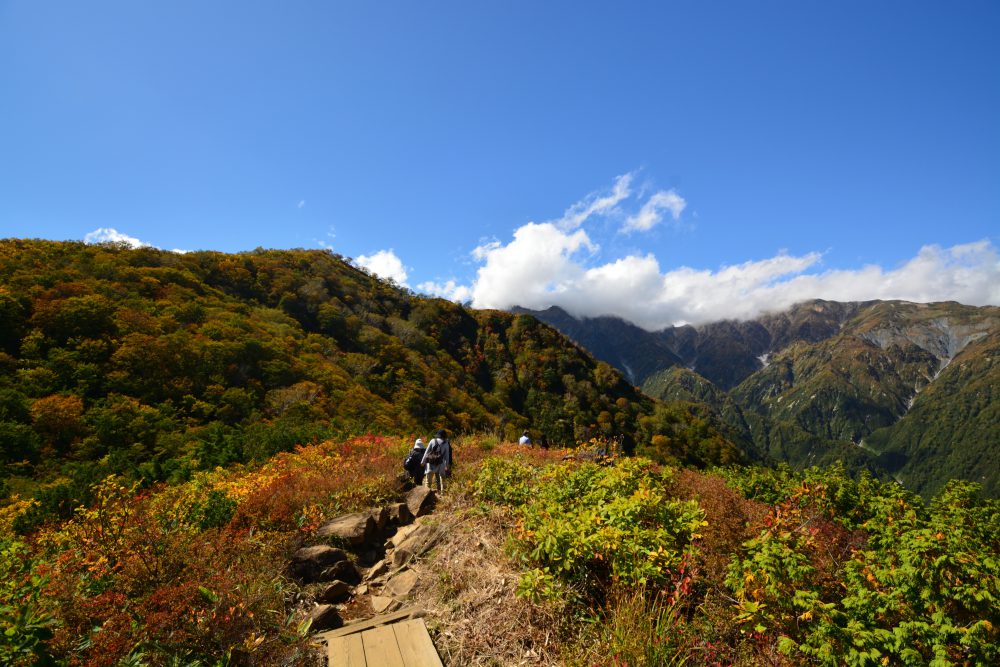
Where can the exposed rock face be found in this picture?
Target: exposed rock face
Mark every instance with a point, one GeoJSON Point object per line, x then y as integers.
{"type": "Point", "coordinates": [354, 529]}
{"type": "Point", "coordinates": [310, 563]}
{"type": "Point", "coordinates": [420, 500]}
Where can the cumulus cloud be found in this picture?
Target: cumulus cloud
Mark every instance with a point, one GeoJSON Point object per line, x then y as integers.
{"type": "Point", "coordinates": [556, 263]}
{"type": "Point", "coordinates": [111, 235]}
{"type": "Point", "coordinates": [651, 212]}
{"type": "Point", "coordinates": [541, 268]}
{"type": "Point", "coordinates": [384, 264]}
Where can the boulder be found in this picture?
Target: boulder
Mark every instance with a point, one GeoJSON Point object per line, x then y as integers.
{"type": "Point", "coordinates": [338, 591]}
{"type": "Point", "coordinates": [401, 557]}
{"type": "Point", "coordinates": [345, 570]}
{"type": "Point", "coordinates": [401, 585]}
{"type": "Point", "coordinates": [418, 542]}
{"type": "Point", "coordinates": [354, 529]}
{"type": "Point", "coordinates": [401, 534]}
{"type": "Point", "coordinates": [309, 563]}
{"type": "Point", "coordinates": [400, 514]}
{"type": "Point", "coordinates": [380, 515]}
{"type": "Point", "coordinates": [420, 500]}
{"type": "Point", "coordinates": [377, 570]}
{"type": "Point", "coordinates": [325, 617]}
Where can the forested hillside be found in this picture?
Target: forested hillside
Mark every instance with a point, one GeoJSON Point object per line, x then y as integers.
{"type": "Point", "coordinates": [153, 364]}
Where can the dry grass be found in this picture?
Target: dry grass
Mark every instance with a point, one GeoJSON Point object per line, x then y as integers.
{"type": "Point", "coordinates": [472, 611]}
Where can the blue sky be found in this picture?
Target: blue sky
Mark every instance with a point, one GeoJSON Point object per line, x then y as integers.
{"type": "Point", "coordinates": [789, 149]}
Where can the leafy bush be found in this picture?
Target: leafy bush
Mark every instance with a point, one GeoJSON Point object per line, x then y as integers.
{"type": "Point", "coordinates": [921, 588]}
{"type": "Point", "coordinates": [587, 526]}
{"type": "Point", "coordinates": [504, 481]}
{"type": "Point", "coordinates": [25, 624]}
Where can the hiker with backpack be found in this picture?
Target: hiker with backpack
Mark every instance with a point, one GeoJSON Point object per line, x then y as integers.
{"type": "Point", "coordinates": [437, 460]}
{"type": "Point", "coordinates": [413, 465]}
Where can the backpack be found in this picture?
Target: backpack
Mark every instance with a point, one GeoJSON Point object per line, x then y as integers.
{"type": "Point", "coordinates": [412, 461]}
{"type": "Point", "coordinates": [434, 454]}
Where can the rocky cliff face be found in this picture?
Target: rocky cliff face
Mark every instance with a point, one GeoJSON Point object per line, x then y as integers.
{"type": "Point", "coordinates": [901, 388]}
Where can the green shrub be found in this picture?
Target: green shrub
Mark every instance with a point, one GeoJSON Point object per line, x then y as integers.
{"type": "Point", "coordinates": [587, 526]}
{"type": "Point", "coordinates": [504, 481]}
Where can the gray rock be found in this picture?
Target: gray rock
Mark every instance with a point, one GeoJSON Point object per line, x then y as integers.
{"type": "Point", "coordinates": [401, 534]}
{"type": "Point", "coordinates": [401, 585]}
{"type": "Point", "coordinates": [309, 563]}
{"type": "Point", "coordinates": [338, 591]}
{"type": "Point", "coordinates": [345, 570]}
{"type": "Point", "coordinates": [420, 500]}
{"type": "Point", "coordinates": [421, 540]}
{"type": "Point", "coordinates": [382, 604]}
{"type": "Point", "coordinates": [400, 514]}
{"type": "Point", "coordinates": [377, 570]}
{"type": "Point", "coordinates": [380, 516]}
{"type": "Point", "coordinates": [325, 617]}
{"type": "Point", "coordinates": [401, 557]}
{"type": "Point", "coordinates": [355, 529]}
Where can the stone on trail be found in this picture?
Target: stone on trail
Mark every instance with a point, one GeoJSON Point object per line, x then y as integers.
{"type": "Point", "coordinates": [309, 563]}
{"type": "Point", "coordinates": [380, 515]}
{"type": "Point", "coordinates": [355, 528]}
{"type": "Point", "coordinates": [338, 591]}
{"type": "Point", "coordinates": [401, 534]}
{"type": "Point", "coordinates": [400, 514]}
{"type": "Point", "coordinates": [401, 585]}
{"type": "Point", "coordinates": [382, 604]}
{"type": "Point", "coordinates": [377, 570]}
{"type": "Point", "coordinates": [419, 500]}
{"type": "Point", "coordinates": [325, 617]}
{"type": "Point", "coordinates": [345, 570]}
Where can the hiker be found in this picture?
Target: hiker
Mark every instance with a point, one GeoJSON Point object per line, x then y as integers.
{"type": "Point", "coordinates": [437, 460]}
{"type": "Point", "coordinates": [525, 440]}
{"type": "Point", "coordinates": [412, 463]}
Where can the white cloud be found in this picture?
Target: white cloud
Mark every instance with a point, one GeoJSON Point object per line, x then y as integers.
{"type": "Point", "coordinates": [596, 204]}
{"type": "Point", "coordinates": [539, 269]}
{"type": "Point", "coordinates": [651, 212]}
{"type": "Point", "coordinates": [110, 235]}
{"type": "Point", "coordinates": [331, 234]}
{"type": "Point", "coordinates": [556, 263]}
{"type": "Point", "coordinates": [449, 290]}
{"type": "Point", "coordinates": [384, 264]}
{"type": "Point", "coordinates": [538, 264]}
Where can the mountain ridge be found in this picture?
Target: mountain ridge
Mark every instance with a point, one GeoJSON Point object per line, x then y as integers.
{"type": "Point", "coordinates": [827, 380]}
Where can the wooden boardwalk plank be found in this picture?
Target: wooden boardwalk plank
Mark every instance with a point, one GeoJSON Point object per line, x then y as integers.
{"type": "Point", "coordinates": [381, 649]}
{"type": "Point", "coordinates": [348, 651]}
{"type": "Point", "coordinates": [368, 624]}
{"type": "Point", "coordinates": [415, 644]}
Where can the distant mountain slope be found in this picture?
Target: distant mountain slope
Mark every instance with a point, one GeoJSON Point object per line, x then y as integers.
{"type": "Point", "coordinates": [634, 351]}
{"type": "Point", "coordinates": [153, 364]}
{"type": "Point", "coordinates": [874, 384]}
{"type": "Point", "coordinates": [724, 352]}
